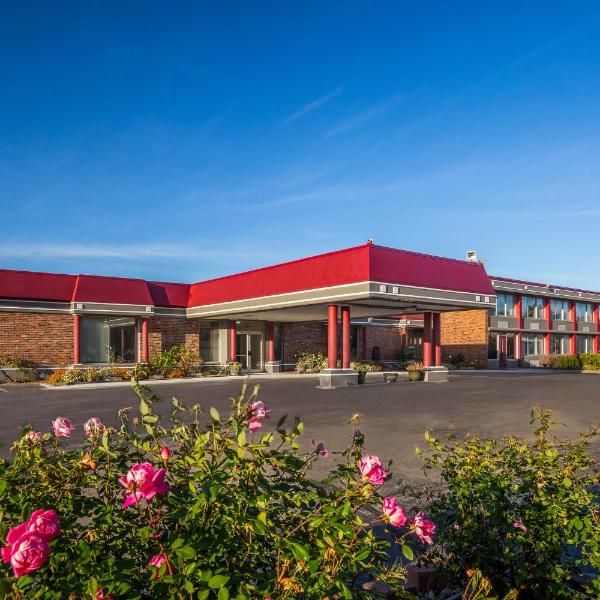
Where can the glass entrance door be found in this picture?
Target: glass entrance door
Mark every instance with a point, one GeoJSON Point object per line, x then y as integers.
{"type": "Point", "coordinates": [249, 351]}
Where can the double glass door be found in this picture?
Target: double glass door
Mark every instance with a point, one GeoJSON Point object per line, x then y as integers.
{"type": "Point", "coordinates": [249, 351]}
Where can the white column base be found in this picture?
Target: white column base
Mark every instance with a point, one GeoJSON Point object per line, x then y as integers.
{"type": "Point", "coordinates": [329, 379]}
{"type": "Point", "coordinates": [436, 375]}
{"type": "Point", "coordinates": [274, 366]}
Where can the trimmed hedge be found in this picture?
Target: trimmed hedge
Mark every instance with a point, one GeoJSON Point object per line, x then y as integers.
{"type": "Point", "coordinates": [590, 362]}
{"type": "Point", "coordinates": [567, 361]}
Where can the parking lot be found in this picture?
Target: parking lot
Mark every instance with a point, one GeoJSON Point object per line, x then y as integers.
{"type": "Point", "coordinates": [394, 416]}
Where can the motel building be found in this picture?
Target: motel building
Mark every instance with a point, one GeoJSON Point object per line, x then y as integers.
{"type": "Point", "coordinates": [367, 302]}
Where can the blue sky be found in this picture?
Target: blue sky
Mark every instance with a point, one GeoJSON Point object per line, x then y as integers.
{"type": "Point", "coordinates": [182, 141]}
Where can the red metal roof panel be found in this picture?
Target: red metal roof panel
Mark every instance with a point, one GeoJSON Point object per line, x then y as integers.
{"type": "Point", "coordinates": [171, 295]}
{"type": "Point", "coordinates": [111, 290]}
{"type": "Point", "coordinates": [29, 285]}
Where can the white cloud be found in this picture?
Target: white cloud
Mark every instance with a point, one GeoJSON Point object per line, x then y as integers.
{"type": "Point", "coordinates": [311, 106]}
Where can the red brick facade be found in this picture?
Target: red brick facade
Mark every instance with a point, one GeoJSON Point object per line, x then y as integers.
{"type": "Point", "coordinates": [42, 338]}
{"type": "Point", "coordinates": [165, 332]}
{"type": "Point", "coordinates": [466, 333]}
{"type": "Point", "coordinates": [303, 337]}
{"type": "Point", "coordinates": [387, 339]}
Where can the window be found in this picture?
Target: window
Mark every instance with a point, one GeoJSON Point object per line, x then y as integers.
{"type": "Point", "coordinates": [495, 343]}
{"type": "Point", "coordinates": [532, 344]}
{"type": "Point", "coordinates": [560, 310]}
{"type": "Point", "coordinates": [584, 344]}
{"type": "Point", "coordinates": [505, 305]}
{"type": "Point", "coordinates": [584, 312]}
{"type": "Point", "coordinates": [209, 341]}
{"type": "Point", "coordinates": [533, 307]}
{"type": "Point", "coordinates": [107, 339]}
{"type": "Point", "coordinates": [560, 344]}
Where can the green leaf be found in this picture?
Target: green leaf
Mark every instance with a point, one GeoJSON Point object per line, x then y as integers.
{"type": "Point", "coordinates": [299, 551]}
{"type": "Point", "coordinates": [241, 438]}
{"type": "Point", "coordinates": [218, 581]}
{"type": "Point", "coordinates": [214, 413]}
{"type": "Point", "coordinates": [185, 552]}
{"type": "Point", "coordinates": [408, 552]}
{"type": "Point", "coordinates": [144, 408]}
{"type": "Point", "coordinates": [259, 527]}
{"type": "Point", "coordinates": [223, 594]}
{"type": "Point", "coordinates": [3, 486]}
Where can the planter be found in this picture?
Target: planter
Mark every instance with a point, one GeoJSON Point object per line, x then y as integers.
{"type": "Point", "coordinates": [390, 377]}
{"type": "Point", "coordinates": [235, 372]}
{"type": "Point", "coordinates": [301, 370]}
{"type": "Point", "coordinates": [415, 375]}
{"type": "Point", "coordinates": [362, 376]}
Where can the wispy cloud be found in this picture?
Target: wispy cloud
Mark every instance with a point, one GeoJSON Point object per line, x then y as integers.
{"type": "Point", "coordinates": [362, 118]}
{"type": "Point", "coordinates": [312, 106]}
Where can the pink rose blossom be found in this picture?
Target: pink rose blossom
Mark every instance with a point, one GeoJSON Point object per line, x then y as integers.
{"type": "Point", "coordinates": [423, 528]}
{"type": "Point", "coordinates": [33, 437]}
{"type": "Point", "coordinates": [144, 482]}
{"type": "Point", "coordinates": [102, 595]}
{"type": "Point", "coordinates": [320, 449]}
{"type": "Point", "coordinates": [394, 512]}
{"type": "Point", "coordinates": [157, 561]}
{"type": "Point", "coordinates": [44, 523]}
{"type": "Point", "coordinates": [93, 427]}
{"type": "Point", "coordinates": [27, 551]}
{"type": "Point", "coordinates": [520, 525]}
{"type": "Point", "coordinates": [259, 409]}
{"type": "Point", "coordinates": [254, 424]}
{"type": "Point", "coordinates": [165, 453]}
{"type": "Point", "coordinates": [371, 469]}
{"type": "Point", "coordinates": [62, 427]}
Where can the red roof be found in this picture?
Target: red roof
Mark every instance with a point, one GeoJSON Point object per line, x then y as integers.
{"type": "Point", "coordinates": [352, 265]}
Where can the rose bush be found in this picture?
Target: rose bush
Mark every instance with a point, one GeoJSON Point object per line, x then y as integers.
{"type": "Point", "coordinates": [196, 506]}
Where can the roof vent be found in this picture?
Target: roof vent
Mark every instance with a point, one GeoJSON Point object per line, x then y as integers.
{"type": "Point", "coordinates": [471, 256]}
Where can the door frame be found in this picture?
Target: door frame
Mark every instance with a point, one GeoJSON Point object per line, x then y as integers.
{"type": "Point", "coordinates": [261, 334]}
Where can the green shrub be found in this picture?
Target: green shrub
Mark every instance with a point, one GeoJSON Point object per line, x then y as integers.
{"type": "Point", "coordinates": [567, 361]}
{"type": "Point", "coordinates": [590, 362]}
{"type": "Point", "coordinates": [523, 512]}
{"type": "Point", "coordinates": [176, 357]}
{"type": "Point", "coordinates": [548, 361]}
{"type": "Point", "coordinates": [221, 510]}
{"type": "Point", "coordinates": [313, 361]}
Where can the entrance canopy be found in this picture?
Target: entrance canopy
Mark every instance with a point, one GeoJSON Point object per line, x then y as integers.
{"type": "Point", "coordinates": [374, 281]}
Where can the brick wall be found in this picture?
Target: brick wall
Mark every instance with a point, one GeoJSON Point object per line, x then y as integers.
{"type": "Point", "coordinates": [303, 337]}
{"type": "Point", "coordinates": [387, 339]}
{"type": "Point", "coordinates": [465, 332]}
{"type": "Point", "coordinates": [43, 338]}
{"type": "Point", "coordinates": [165, 332]}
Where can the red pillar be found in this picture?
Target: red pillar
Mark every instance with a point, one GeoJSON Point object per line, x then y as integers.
{"type": "Point", "coordinates": [437, 336]}
{"type": "Point", "coordinates": [271, 341]}
{"type": "Point", "coordinates": [427, 358]}
{"type": "Point", "coordinates": [145, 341]}
{"type": "Point", "coordinates": [76, 337]}
{"type": "Point", "coordinates": [365, 338]}
{"type": "Point", "coordinates": [232, 341]}
{"type": "Point", "coordinates": [596, 320]}
{"type": "Point", "coordinates": [573, 315]}
{"type": "Point", "coordinates": [345, 337]}
{"type": "Point", "coordinates": [548, 318]}
{"type": "Point", "coordinates": [519, 316]}
{"type": "Point", "coordinates": [332, 317]}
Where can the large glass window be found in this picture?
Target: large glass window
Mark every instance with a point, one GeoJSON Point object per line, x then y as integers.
{"type": "Point", "coordinates": [532, 344]}
{"type": "Point", "coordinates": [209, 341]}
{"type": "Point", "coordinates": [496, 342]}
{"type": "Point", "coordinates": [560, 310]}
{"type": "Point", "coordinates": [533, 307]}
{"type": "Point", "coordinates": [505, 305]}
{"type": "Point", "coordinates": [584, 344]}
{"type": "Point", "coordinates": [107, 339]}
{"type": "Point", "coordinates": [584, 312]}
{"type": "Point", "coordinates": [560, 344]}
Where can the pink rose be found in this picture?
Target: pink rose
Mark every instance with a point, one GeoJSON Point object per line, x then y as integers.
{"type": "Point", "coordinates": [45, 523]}
{"type": "Point", "coordinates": [165, 453]}
{"type": "Point", "coordinates": [157, 561]}
{"type": "Point", "coordinates": [394, 512]}
{"type": "Point", "coordinates": [259, 409]}
{"type": "Point", "coordinates": [370, 468]}
{"type": "Point", "coordinates": [254, 424]}
{"type": "Point", "coordinates": [33, 437]}
{"type": "Point", "coordinates": [320, 449]}
{"type": "Point", "coordinates": [423, 528]}
{"type": "Point", "coordinates": [520, 525]}
{"type": "Point", "coordinates": [93, 427]}
{"type": "Point", "coordinates": [144, 482]}
{"type": "Point", "coordinates": [27, 551]}
{"type": "Point", "coordinates": [62, 427]}
{"type": "Point", "coordinates": [102, 595]}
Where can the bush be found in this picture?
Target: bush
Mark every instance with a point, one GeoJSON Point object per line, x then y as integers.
{"type": "Point", "coordinates": [590, 362]}
{"type": "Point", "coordinates": [17, 363]}
{"type": "Point", "coordinates": [220, 510]}
{"type": "Point", "coordinates": [365, 366]}
{"type": "Point", "coordinates": [141, 371]}
{"type": "Point", "coordinates": [523, 512]}
{"type": "Point", "coordinates": [56, 377]}
{"type": "Point", "coordinates": [548, 361]}
{"type": "Point", "coordinates": [414, 366]}
{"type": "Point", "coordinates": [175, 373]}
{"type": "Point", "coordinates": [567, 361]}
{"type": "Point", "coordinates": [311, 361]}
{"type": "Point", "coordinates": [73, 375]}
{"type": "Point", "coordinates": [175, 357]}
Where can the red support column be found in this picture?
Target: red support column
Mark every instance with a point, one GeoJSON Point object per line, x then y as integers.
{"type": "Point", "coordinates": [145, 341]}
{"type": "Point", "coordinates": [427, 320]}
{"type": "Point", "coordinates": [345, 337]}
{"type": "Point", "coordinates": [573, 315]}
{"type": "Point", "coordinates": [548, 318]}
{"type": "Point", "coordinates": [437, 336]}
{"type": "Point", "coordinates": [365, 338]}
{"type": "Point", "coordinates": [76, 337]}
{"type": "Point", "coordinates": [332, 318]}
{"type": "Point", "coordinates": [596, 319]}
{"type": "Point", "coordinates": [519, 316]}
{"type": "Point", "coordinates": [232, 341]}
{"type": "Point", "coordinates": [271, 341]}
